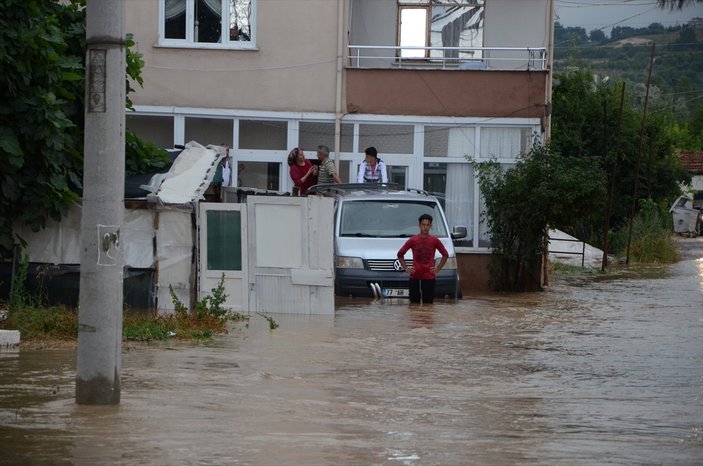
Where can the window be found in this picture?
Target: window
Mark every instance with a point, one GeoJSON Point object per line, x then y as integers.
{"type": "Point", "coordinates": [207, 131]}
{"type": "Point", "coordinates": [263, 135]}
{"type": "Point", "coordinates": [388, 139]}
{"type": "Point", "coordinates": [259, 175]}
{"type": "Point", "coordinates": [219, 23]}
{"type": "Point", "coordinates": [224, 240]}
{"type": "Point", "coordinates": [453, 185]}
{"type": "Point", "coordinates": [312, 134]}
{"type": "Point", "coordinates": [155, 129]}
{"type": "Point", "coordinates": [440, 23]}
{"type": "Point", "coordinates": [505, 143]}
{"type": "Point", "coordinates": [387, 219]}
{"type": "Point", "coordinates": [450, 141]}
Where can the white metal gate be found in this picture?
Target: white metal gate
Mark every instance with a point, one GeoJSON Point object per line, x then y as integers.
{"type": "Point", "coordinates": [291, 254]}
{"type": "Point", "coordinates": [223, 252]}
{"type": "Point", "coordinates": [276, 253]}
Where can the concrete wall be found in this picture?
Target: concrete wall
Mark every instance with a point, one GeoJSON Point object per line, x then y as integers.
{"type": "Point", "coordinates": [473, 272]}
{"type": "Point", "coordinates": [292, 68]}
{"type": "Point", "coordinates": [452, 93]}
{"type": "Point", "coordinates": [508, 23]}
{"type": "Point", "coordinates": [511, 23]}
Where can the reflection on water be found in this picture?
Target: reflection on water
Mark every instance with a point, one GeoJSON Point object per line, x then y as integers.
{"type": "Point", "coordinates": [591, 371]}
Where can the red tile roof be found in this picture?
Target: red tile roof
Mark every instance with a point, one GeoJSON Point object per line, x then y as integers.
{"type": "Point", "coordinates": [692, 161]}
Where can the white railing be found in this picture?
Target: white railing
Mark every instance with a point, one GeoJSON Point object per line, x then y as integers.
{"type": "Point", "coordinates": [493, 58]}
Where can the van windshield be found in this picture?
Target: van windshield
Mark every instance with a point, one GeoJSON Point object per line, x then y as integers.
{"type": "Point", "coordinates": [384, 219]}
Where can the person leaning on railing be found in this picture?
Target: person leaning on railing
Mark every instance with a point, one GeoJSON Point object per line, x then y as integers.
{"type": "Point", "coordinates": [372, 169]}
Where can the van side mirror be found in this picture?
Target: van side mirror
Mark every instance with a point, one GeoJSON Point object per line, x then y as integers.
{"type": "Point", "coordinates": [458, 232]}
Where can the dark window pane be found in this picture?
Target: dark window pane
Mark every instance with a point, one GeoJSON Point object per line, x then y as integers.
{"type": "Point", "coordinates": [262, 134]}
{"type": "Point", "coordinates": [175, 19]}
{"type": "Point", "coordinates": [224, 240]}
{"type": "Point", "coordinates": [208, 21]}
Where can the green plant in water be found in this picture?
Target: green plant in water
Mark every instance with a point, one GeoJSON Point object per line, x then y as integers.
{"type": "Point", "coordinates": [218, 298]}
{"type": "Point", "coordinates": [272, 323]}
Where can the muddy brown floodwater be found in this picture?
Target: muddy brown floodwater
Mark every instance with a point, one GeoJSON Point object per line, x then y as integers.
{"type": "Point", "coordinates": [596, 369]}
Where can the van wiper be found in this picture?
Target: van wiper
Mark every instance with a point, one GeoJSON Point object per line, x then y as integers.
{"type": "Point", "coordinates": [362, 235]}
{"type": "Point", "coordinates": [404, 235]}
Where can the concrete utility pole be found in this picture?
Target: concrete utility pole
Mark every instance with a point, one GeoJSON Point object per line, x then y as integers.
{"type": "Point", "coordinates": [100, 313]}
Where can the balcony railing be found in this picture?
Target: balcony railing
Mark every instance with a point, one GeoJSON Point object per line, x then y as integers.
{"type": "Point", "coordinates": [462, 58]}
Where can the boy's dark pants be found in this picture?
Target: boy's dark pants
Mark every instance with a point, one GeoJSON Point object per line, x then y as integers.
{"type": "Point", "coordinates": [422, 290]}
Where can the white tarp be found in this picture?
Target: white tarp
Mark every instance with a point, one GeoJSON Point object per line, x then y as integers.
{"type": "Point", "coordinates": [174, 251]}
{"type": "Point", "coordinates": [137, 238]}
{"type": "Point", "coordinates": [190, 175]}
{"type": "Point", "coordinates": [60, 242]}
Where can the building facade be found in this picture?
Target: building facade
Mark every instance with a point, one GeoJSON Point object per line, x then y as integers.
{"type": "Point", "coordinates": [434, 85]}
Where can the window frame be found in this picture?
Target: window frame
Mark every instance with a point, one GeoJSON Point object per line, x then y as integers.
{"type": "Point", "coordinates": [189, 41]}
{"type": "Point", "coordinates": [427, 5]}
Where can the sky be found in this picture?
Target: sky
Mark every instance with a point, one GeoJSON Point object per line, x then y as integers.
{"type": "Point", "coordinates": [597, 14]}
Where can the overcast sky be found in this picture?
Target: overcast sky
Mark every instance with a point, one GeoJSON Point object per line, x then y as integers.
{"type": "Point", "coordinates": [597, 14]}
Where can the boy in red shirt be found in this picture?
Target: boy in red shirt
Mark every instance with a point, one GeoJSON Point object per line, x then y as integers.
{"type": "Point", "coordinates": [423, 271]}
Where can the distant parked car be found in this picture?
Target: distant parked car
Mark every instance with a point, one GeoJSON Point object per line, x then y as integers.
{"type": "Point", "coordinates": [687, 220]}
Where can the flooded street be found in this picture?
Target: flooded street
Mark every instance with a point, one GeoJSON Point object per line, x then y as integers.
{"type": "Point", "coordinates": [596, 369]}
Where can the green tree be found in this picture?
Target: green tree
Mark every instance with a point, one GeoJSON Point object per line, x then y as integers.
{"type": "Point", "coordinates": [585, 124]}
{"type": "Point", "coordinates": [672, 4]}
{"type": "Point", "coordinates": [543, 189]}
{"type": "Point", "coordinates": [597, 36]}
{"type": "Point", "coordinates": [687, 39]}
{"type": "Point", "coordinates": [40, 113]}
{"type": "Point", "coordinates": [42, 54]}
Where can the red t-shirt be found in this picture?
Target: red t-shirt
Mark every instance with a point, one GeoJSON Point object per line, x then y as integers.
{"type": "Point", "coordinates": [423, 254]}
{"type": "Point", "coordinates": [297, 173]}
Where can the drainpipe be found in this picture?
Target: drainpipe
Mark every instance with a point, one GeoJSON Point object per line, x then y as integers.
{"type": "Point", "coordinates": [338, 97]}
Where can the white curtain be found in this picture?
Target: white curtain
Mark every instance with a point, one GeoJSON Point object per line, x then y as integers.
{"type": "Point", "coordinates": [459, 200]}
{"type": "Point", "coordinates": [462, 142]}
{"type": "Point", "coordinates": [215, 6]}
{"type": "Point", "coordinates": [173, 8]}
{"type": "Point", "coordinates": [502, 143]}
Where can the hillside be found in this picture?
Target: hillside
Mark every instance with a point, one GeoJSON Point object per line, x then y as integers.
{"type": "Point", "coordinates": [677, 76]}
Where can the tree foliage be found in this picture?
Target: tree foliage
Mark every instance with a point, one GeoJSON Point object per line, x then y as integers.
{"type": "Point", "coordinates": [544, 189]}
{"type": "Point", "coordinates": [42, 55]}
{"type": "Point", "coordinates": [672, 4]}
{"type": "Point", "coordinates": [40, 112]}
{"type": "Point", "coordinates": [677, 77]}
{"type": "Point", "coordinates": [586, 122]}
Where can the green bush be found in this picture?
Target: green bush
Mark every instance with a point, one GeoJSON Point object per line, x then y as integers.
{"type": "Point", "coordinates": [652, 240]}
{"type": "Point", "coordinates": [56, 322]}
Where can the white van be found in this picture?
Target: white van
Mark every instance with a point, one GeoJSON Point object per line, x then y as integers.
{"type": "Point", "coordinates": [372, 222]}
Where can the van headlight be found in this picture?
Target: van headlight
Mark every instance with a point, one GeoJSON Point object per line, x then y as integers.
{"type": "Point", "coordinates": [350, 262]}
{"type": "Point", "coordinates": [449, 265]}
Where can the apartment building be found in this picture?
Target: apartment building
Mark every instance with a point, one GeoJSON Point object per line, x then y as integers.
{"type": "Point", "coordinates": [432, 84]}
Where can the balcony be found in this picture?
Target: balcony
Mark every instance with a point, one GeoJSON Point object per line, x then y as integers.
{"type": "Point", "coordinates": [442, 58]}
{"type": "Point", "coordinates": [447, 81]}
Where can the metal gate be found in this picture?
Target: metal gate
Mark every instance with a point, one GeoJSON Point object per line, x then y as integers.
{"type": "Point", "coordinates": [276, 253]}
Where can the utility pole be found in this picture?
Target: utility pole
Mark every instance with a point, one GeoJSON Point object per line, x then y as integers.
{"type": "Point", "coordinates": [100, 304]}
{"type": "Point", "coordinates": [639, 157]}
